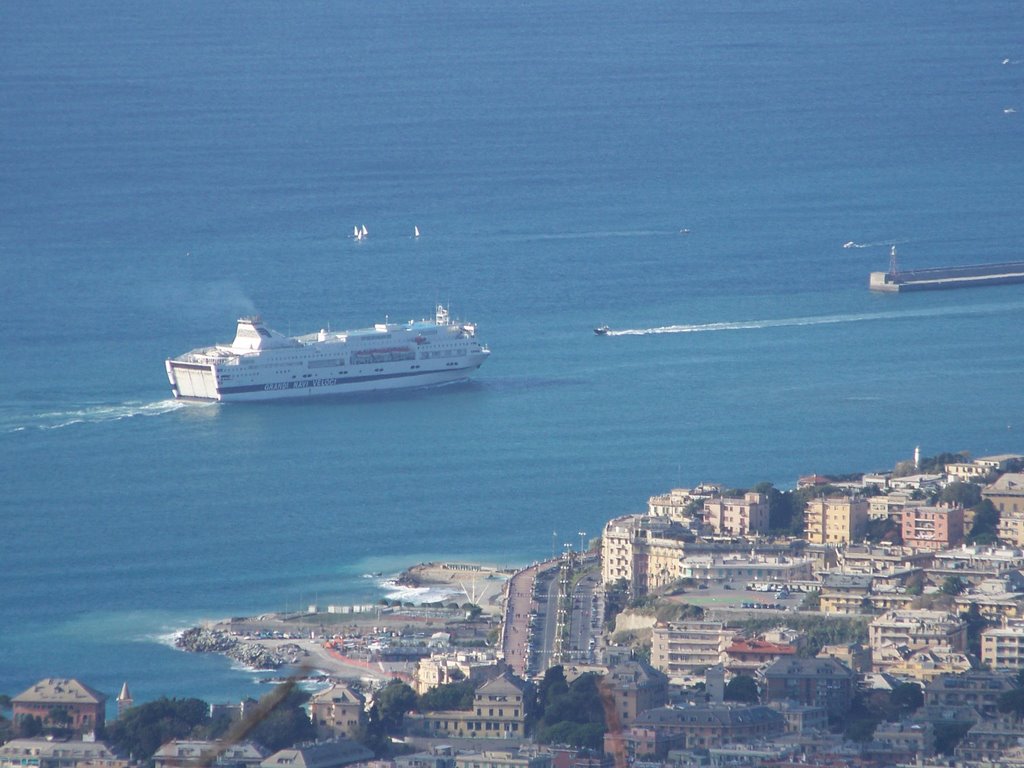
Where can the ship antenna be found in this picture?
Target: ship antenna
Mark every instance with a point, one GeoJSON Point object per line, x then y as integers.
{"type": "Point", "coordinates": [892, 262]}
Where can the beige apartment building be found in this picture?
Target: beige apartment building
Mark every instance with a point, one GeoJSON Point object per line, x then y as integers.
{"type": "Point", "coordinates": [933, 528]}
{"type": "Point", "coordinates": [914, 629]}
{"type": "Point", "coordinates": [637, 548]}
{"type": "Point", "coordinates": [499, 712]}
{"type": "Point", "coordinates": [738, 517]}
{"type": "Point", "coordinates": [836, 521]}
{"type": "Point", "coordinates": [684, 647]}
{"type": "Point", "coordinates": [678, 503]}
{"type": "Point", "coordinates": [889, 506]}
{"type": "Point", "coordinates": [620, 541]}
{"type": "Point", "coordinates": [338, 710]}
{"type": "Point", "coordinates": [1007, 494]}
{"type": "Point", "coordinates": [442, 668]}
{"type": "Point", "coordinates": [1003, 647]}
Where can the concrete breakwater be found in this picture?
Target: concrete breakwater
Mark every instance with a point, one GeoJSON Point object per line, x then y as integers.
{"type": "Point", "coordinates": [943, 278]}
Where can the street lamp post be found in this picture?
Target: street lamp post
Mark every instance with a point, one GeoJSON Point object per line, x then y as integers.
{"type": "Point", "coordinates": [583, 535]}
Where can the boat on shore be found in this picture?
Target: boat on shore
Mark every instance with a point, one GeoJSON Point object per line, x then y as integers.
{"type": "Point", "coordinates": [262, 364]}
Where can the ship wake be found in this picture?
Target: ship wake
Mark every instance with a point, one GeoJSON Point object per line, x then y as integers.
{"type": "Point", "coordinates": [96, 414]}
{"type": "Point", "coordinates": [791, 322]}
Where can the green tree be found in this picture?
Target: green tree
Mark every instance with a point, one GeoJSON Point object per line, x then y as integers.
{"type": "Point", "coordinates": [552, 686]}
{"type": "Point", "coordinates": [446, 697]}
{"type": "Point", "coordinates": [905, 698]}
{"type": "Point", "coordinates": [575, 717]}
{"type": "Point", "coordinates": [742, 688]}
{"type": "Point", "coordinates": [141, 730]}
{"type": "Point", "coordinates": [948, 735]}
{"type": "Point", "coordinates": [937, 464]}
{"type": "Point", "coordinates": [811, 601]}
{"type": "Point", "coordinates": [985, 527]}
{"type": "Point", "coordinates": [60, 720]}
{"type": "Point", "coordinates": [1012, 702]}
{"type": "Point", "coordinates": [953, 585]}
{"type": "Point", "coordinates": [30, 726]}
{"type": "Point", "coordinates": [286, 724]}
{"type": "Point", "coordinates": [860, 728]}
{"type": "Point", "coordinates": [960, 494]}
{"type": "Point", "coordinates": [883, 530]}
{"type": "Point", "coordinates": [372, 735]}
{"type": "Point", "coordinates": [393, 701]}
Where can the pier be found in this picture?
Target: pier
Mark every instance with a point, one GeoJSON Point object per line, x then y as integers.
{"type": "Point", "coordinates": [943, 278]}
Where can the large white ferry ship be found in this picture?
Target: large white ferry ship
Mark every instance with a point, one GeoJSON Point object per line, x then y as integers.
{"type": "Point", "coordinates": [262, 364]}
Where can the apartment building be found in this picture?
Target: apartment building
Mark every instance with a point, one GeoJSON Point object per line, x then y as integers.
{"type": "Point", "coordinates": [499, 712]}
{"type": "Point", "coordinates": [453, 666]}
{"type": "Point", "coordinates": [634, 687]}
{"type": "Point", "coordinates": [915, 629]}
{"type": "Point", "coordinates": [338, 711]}
{"type": "Point", "coordinates": [737, 517]}
{"type": "Point", "coordinates": [1003, 647]}
{"type": "Point", "coordinates": [678, 504]}
{"type": "Point", "coordinates": [1007, 494]}
{"type": "Point", "coordinates": [978, 689]}
{"type": "Point", "coordinates": [820, 682]}
{"type": "Point", "coordinates": [684, 647]}
{"type": "Point", "coordinates": [835, 521]}
{"type": "Point", "coordinates": [933, 528]}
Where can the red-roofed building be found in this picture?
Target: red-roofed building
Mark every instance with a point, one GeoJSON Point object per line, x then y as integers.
{"type": "Point", "coordinates": [746, 656]}
{"type": "Point", "coordinates": [62, 702]}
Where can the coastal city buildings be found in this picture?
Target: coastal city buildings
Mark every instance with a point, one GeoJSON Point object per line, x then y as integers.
{"type": "Point", "coordinates": [43, 753]}
{"type": "Point", "coordinates": [914, 629]}
{"type": "Point", "coordinates": [499, 712]}
{"type": "Point", "coordinates": [809, 701]}
{"type": "Point", "coordinates": [193, 753]}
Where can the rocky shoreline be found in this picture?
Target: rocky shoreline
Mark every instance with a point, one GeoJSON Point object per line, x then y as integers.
{"type": "Point", "coordinates": [251, 654]}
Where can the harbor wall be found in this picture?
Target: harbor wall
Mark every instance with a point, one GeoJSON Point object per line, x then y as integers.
{"type": "Point", "coordinates": [943, 278]}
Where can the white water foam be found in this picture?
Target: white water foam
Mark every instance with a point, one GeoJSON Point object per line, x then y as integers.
{"type": "Point", "coordinates": [788, 322]}
{"type": "Point", "coordinates": [878, 244]}
{"type": "Point", "coordinates": [99, 414]}
{"type": "Point", "coordinates": [418, 595]}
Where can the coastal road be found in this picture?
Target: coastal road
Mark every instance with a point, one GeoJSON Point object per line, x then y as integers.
{"type": "Point", "coordinates": [584, 619]}
{"type": "Point", "coordinates": [516, 627]}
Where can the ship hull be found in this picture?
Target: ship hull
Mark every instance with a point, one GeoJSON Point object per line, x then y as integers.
{"type": "Point", "coordinates": [200, 383]}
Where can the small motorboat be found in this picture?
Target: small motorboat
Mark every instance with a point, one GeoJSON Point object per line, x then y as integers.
{"type": "Point", "coordinates": [602, 330]}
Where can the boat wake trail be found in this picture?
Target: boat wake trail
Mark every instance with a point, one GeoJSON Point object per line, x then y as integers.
{"type": "Point", "coordinates": [594, 235]}
{"type": "Point", "coordinates": [879, 244]}
{"type": "Point", "coordinates": [790, 322]}
{"type": "Point", "coordinates": [97, 414]}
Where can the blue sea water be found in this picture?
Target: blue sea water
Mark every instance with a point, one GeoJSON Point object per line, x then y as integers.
{"type": "Point", "coordinates": [167, 167]}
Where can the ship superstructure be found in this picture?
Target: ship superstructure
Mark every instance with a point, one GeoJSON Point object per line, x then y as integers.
{"type": "Point", "coordinates": [262, 364]}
